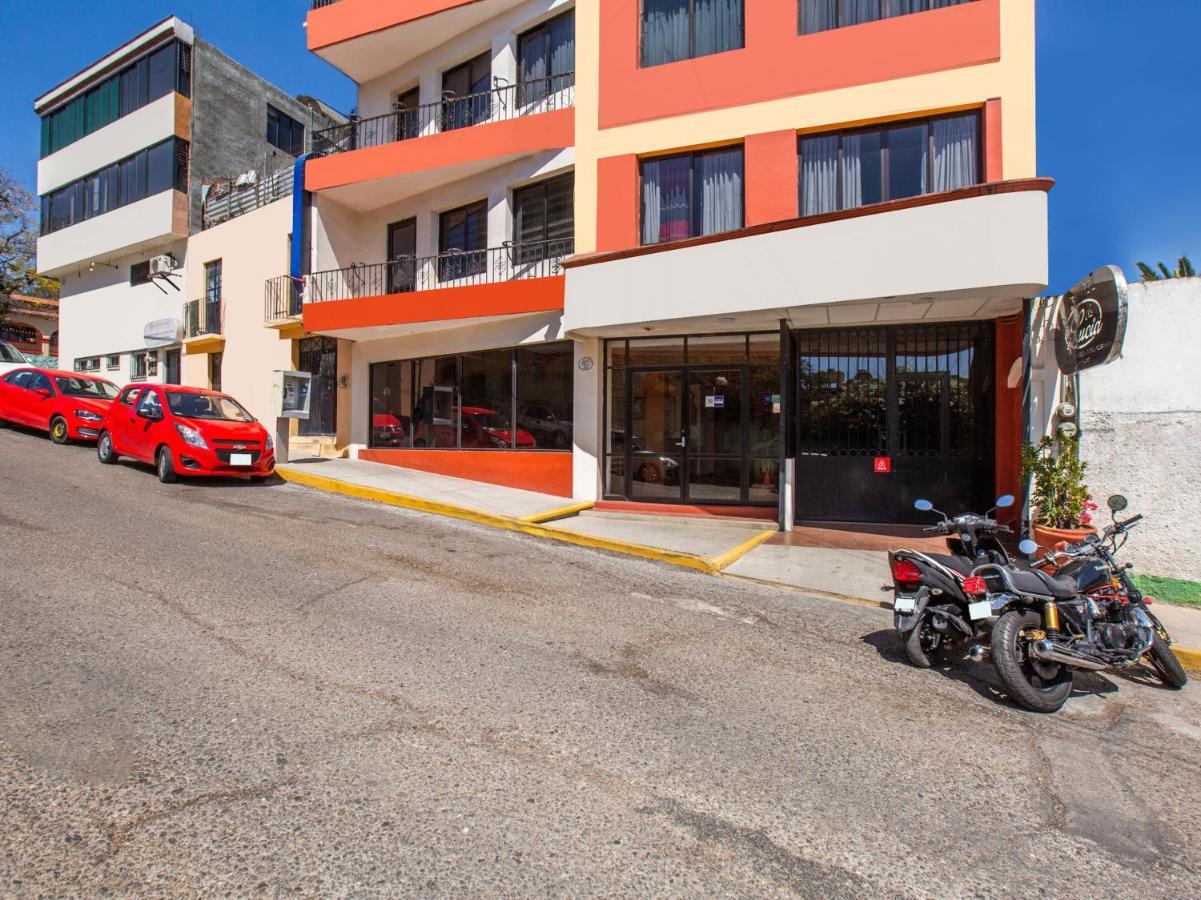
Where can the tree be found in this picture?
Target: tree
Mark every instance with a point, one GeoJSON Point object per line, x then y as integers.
{"type": "Point", "coordinates": [18, 244]}
{"type": "Point", "coordinates": [1184, 269]}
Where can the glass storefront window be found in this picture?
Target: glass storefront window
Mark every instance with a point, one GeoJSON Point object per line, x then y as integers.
{"type": "Point", "coordinates": [436, 411]}
{"type": "Point", "coordinates": [487, 381]}
{"type": "Point", "coordinates": [545, 394]}
{"type": "Point", "coordinates": [392, 405]}
{"type": "Point", "coordinates": [656, 352]}
{"type": "Point", "coordinates": [717, 349]}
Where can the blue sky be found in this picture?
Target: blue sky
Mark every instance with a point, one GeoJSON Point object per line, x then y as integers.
{"type": "Point", "coordinates": [1118, 89]}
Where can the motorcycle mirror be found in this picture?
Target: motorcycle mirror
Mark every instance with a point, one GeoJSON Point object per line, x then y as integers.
{"type": "Point", "coordinates": [923, 506]}
{"type": "Point", "coordinates": [1028, 547]}
{"type": "Point", "coordinates": [1006, 501]}
{"type": "Point", "coordinates": [1117, 503]}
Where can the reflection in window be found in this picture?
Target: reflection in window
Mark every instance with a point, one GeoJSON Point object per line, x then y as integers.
{"type": "Point", "coordinates": [487, 423]}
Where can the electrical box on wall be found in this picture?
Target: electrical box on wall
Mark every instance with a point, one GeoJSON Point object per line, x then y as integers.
{"type": "Point", "coordinates": [292, 394]}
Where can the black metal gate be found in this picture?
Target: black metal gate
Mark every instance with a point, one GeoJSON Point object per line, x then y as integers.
{"type": "Point", "coordinates": [319, 357]}
{"type": "Point", "coordinates": [887, 415]}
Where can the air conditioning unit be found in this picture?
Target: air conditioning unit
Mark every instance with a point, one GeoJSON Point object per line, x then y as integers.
{"type": "Point", "coordinates": [162, 265]}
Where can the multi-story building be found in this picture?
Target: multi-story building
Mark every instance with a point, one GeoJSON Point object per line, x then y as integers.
{"type": "Point", "coordinates": [799, 238]}
{"type": "Point", "coordinates": [130, 146]}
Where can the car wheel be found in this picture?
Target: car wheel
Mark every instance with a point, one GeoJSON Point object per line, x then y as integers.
{"type": "Point", "coordinates": [104, 449]}
{"type": "Point", "coordinates": [59, 433]}
{"type": "Point", "coordinates": [166, 466]}
{"type": "Point", "coordinates": [560, 441]}
{"type": "Point", "coordinates": [648, 474]}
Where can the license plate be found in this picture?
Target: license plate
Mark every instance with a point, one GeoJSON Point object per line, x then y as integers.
{"type": "Point", "coordinates": [241, 459]}
{"type": "Point", "coordinates": [904, 605]}
{"type": "Point", "coordinates": [981, 610]}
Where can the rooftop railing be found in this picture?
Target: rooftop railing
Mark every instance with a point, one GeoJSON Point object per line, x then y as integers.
{"type": "Point", "coordinates": [231, 200]}
{"type": "Point", "coordinates": [451, 113]}
{"type": "Point", "coordinates": [203, 317]}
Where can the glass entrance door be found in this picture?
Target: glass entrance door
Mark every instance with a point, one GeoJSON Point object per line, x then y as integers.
{"type": "Point", "coordinates": [657, 439]}
{"type": "Point", "coordinates": [715, 436]}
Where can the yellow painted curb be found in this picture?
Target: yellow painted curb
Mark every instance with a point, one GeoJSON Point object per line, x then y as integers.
{"type": "Point", "coordinates": [1189, 658]}
{"type": "Point", "coordinates": [727, 559]}
{"type": "Point", "coordinates": [507, 523]}
{"type": "Point", "coordinates": [555, 514]}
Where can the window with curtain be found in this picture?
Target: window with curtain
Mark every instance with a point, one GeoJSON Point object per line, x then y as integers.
{"type": "Point", "coordinates": [546, 59]}
{"type": "Point", "coordinates": [463, 241]}
{"type": "Point", "coordinates": [673, 30]}
{"type": "Point", "coordinates": [692, 195]}
{"type": "Point", "coordinates": [825, 15]}
{"type": "Point", "coordinates": [466, 93]}
{"type": "Point", "coordinates": [856, 168]}
{"type": "Point", "coordinates": [544, 219]}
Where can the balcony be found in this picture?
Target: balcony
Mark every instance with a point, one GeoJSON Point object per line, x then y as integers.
{"type": "Point", "coordinates": [368, 163]}
{"type": "Point", "coordinates": [411, 294]}
{"type": "Point", "coordinates": [282, 301]}
{"type": "Point", "coordinates": [204, 325]}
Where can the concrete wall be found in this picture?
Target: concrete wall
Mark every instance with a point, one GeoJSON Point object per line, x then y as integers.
{"type": "Point", "coordinates": [1141, 421]}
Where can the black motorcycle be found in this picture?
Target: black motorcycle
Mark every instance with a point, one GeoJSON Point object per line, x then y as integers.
{"type": "Point", "coordinates": [940, 600]}
{"type": "Point", "coordinates": [1084, 614]}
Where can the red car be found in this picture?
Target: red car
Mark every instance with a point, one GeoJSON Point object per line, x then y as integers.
{"type": "Point", "coordinates": [68, 405]}
{"type": "Point", "coordinates": [185, 431]}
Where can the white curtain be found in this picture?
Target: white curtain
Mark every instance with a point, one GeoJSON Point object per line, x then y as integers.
{"type": "Point", "coordinates": [665, 190]}
{"type": "Point", "coordinates": [664, 31]}
{"type": "Point", "coordinates": [718, 179]}
{"type": "Point", "coordinates": [853, 148]}
{"type": "Point", "coordinates": [956, 152]}
{"type": "Point", "coordinates": [819, 175]}
{"type": "Point", "coordinates": [718, 26]}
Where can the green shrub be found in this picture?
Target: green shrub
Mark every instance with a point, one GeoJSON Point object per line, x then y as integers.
{"type": "Point", "coordinates": [1058, 492]}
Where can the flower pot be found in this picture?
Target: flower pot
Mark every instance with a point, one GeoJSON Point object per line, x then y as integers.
{"type": "Point", "coordinates": [1049, 538]}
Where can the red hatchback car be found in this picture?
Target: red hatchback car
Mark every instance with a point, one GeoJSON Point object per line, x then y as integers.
{"type": "Point", "coordinates": [185, 431]}
{"type": "Point", "coordinates": [68, 405]}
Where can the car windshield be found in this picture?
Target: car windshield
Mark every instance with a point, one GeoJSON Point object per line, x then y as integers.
{"type": "Point", "coordinates": [70, 386]}
{"type": "Point", "coordinates": [11, 354]}
{"type": "Point", "coordinates": [207, 406]}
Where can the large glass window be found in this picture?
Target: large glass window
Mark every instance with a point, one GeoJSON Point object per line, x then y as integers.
{"type": "Point", "coordinates": [546, 58]}
{"type": "Point", "coordinates": [682, 29]}
{"type": "Point", "coordinates": [692, 195]}
{"type": "Point", "coordinates": [824, 15]}
{"type": "Point", "coordinates": [510, 399]}
{"type": "Point", "coordinates": [463, 241]}
{"type": "Point", "coordinates": [167, 69]}
{"type": "Point", "coordinates": [857, 168]}
{"type": "Point", "coordinates": [544, 219]}
{"type": "Point", "coordinates": [284, 132]}
{"type": "Point", "coordinates": [466, 90]}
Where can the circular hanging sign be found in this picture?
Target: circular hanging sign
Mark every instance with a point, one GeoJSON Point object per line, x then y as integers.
{"type": "Point", "coordinates": [1092, 321]}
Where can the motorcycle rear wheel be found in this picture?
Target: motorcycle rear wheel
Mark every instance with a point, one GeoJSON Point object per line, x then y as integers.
{"type": "Point", "coordinates": [1039, 691]}
{"type": "Point", "coordinates": [1171, 673]}
{"type": "Point", "coordinates": [924, 643]}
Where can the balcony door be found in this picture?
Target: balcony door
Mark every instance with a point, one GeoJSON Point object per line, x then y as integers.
{"type": "Point", "coordinates": [544, 221]}
{"type": "Point", "coordinates": [463, 242]}
{"type": "Point", "coordinates": [467, 93]}
{"type": "Point", "coordinates": [402, 250]}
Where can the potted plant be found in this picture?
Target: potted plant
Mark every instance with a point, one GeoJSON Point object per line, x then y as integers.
{"type": "Point", "coordinates": [1063, 508]}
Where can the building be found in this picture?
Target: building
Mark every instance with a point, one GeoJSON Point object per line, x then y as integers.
{"type": "Point", "coordinates": [130, 147]}
{"type": "Point", "coordinates": [31, 325]}
{"type": "Point", "coordinates": [767, 258]}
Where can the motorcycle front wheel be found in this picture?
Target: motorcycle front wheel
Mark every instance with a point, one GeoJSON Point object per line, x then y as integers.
{"type": "Point", "coordinates": [1036, 685]}
{"type": "Point", "coordinates": [924, 643]}
{"type": "Point", "coordinates": [1171, 673]}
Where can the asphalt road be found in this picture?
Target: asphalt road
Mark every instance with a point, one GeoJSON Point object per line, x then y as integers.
{"type": "Point", "coordinates": [226, 688]}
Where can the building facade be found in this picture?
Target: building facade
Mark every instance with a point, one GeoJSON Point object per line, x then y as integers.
{"type": "Point", "coordinates": [767, 258]}
{"type": "Point", "coordinates": [130, 147]}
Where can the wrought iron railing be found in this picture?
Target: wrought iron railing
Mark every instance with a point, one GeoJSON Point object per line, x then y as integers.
{"type": "Point", "coordinates": [451, 113]}
{"type": "Point", "coordinates": [204, 316]}
{"type": "Point", "coordinates": [283, 298]}
{"type": "Point", "coordinates": [317, 4]}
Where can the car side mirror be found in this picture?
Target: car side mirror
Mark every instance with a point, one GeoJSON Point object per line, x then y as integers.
{"type": "Point", "coordinates": [151, 415]}
{"type": "Point", "coordinates": [1117, 503]}
{"type": "Point", "coordinates": [44, 393]}
{"type": "Point", "coordinates": [1028, 547]}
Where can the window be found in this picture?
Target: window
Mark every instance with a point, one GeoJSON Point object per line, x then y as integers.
{"type": "Point", "coordinates": [167, 69]}
{"type": "Point", "coordinates": [39, 382]}
{"type": "Point", "coordinates": [138, 369]}
{"type": "Point", "coordinates": [284, 132]}
{"type": "Point", "coordinates": [212, 281]}
{"type": "Point", "coordinates": [139, 273]}
{"type": "Point", "coordinates": [215, 362]}
{"type": "Point", "coordinates": [544, 219]}
{"type": "Point", "coordinates": [683, 29]}
{"type": "Point", "coordinates": [20, 379]}
{"type": "Point", "coordinates": [88, 364]}
{"type": "Point", "coordinates": [546, 59]}
{"type": "Point", "coordinates": [463, 241]}
{"type": "Point", "coordinates": [113, 362]}
{"type": "Point", "coordinates": [824, 15]}
{"type": "Point", "coordinates": [129, 397]}
{"type": "Point", "coordinates": [691, 195]}
{"type": "Point", "coordinates": [857, 168]}
{"type": "Point", "coordinates": [467, 89]}
{"type": "Point", "coordinates": [24, 337]}
{"type": "Point", "coordinates": [150, 405]}
{"type": "Point", "coordinates": [408, 114]}
{"type": "Point", "coordinates": [148, 172]}
{"type": "Point", "coordinates": [509, 399]}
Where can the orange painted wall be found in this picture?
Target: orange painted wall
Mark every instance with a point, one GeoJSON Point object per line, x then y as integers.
{"type": "Point", "coordinates": [504, 298]}
{"type": "Point", "coordinates": [771, 177]}
{"type": "Point", "coordinates": [528, 134]}
{"type": "Point", "coordinates": [617, 212]}
{"type": "Point", "coordinates": [776, 62]}
{"type": "Point", "coordinates": [1009, 415]}
{"type": "Point", "coordinates": [994, 169]}
{"type": "Point", "coordinates": [349, 19]}
{"type": "Point", "coordinates": [542, 471]}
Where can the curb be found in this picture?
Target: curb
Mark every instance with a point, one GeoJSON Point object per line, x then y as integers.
{"type": "Point", "coordinates": [507, 523]}
{"type": "Point", "coordinates": [1189, 658]}
{"type": "Point", "coordinates": [554, 515]}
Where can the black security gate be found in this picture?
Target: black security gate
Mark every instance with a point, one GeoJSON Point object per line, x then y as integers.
{"type": "Point", "coordinates": [319, 357]}
{"type": "Point", "coordinates": [887, 415]}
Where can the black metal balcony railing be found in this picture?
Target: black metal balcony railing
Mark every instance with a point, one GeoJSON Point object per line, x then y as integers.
{"type": "Point", "coordinates": [451, 113]}
{"type": "Point", "coordinates": [283, 299]}
{"type": "Point", "coordinates": [317, 4]}
{"type": "Point", "coordinates": [204, 316]}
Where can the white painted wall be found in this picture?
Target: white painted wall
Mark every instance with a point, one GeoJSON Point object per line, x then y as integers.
{"type": "Point", "coordinates": [140, 129]}
{"type": "Point", "coordinates": [101, 314]}
{"type": "Point", "coordinates": [1141, 422]}
{"type": "Point", "coordinates": [125, 230]}
{"type": "Point", "coordinates": [993, 246]}
{"type": "Point", "coordinates": [588, 427]}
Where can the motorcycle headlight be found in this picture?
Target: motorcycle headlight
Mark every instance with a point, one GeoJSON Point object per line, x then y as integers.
{"type": "Point", "coordinates": [88, 416]}
{"type": "Point", "coordinates": [191, 436]}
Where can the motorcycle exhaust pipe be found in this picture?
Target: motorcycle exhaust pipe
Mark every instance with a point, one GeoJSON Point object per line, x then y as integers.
{"type": "Point", "coordinates": [1049, 652]}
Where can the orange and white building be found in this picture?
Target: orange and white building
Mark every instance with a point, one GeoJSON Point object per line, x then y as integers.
{"type": "Point", "coordinates": [767, 257]}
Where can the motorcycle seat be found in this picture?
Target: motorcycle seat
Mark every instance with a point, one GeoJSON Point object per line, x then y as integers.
{"type": "Point", "coordinates": [1035, 581]}
{"type": "Point", "coordinates": [952, 562]}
